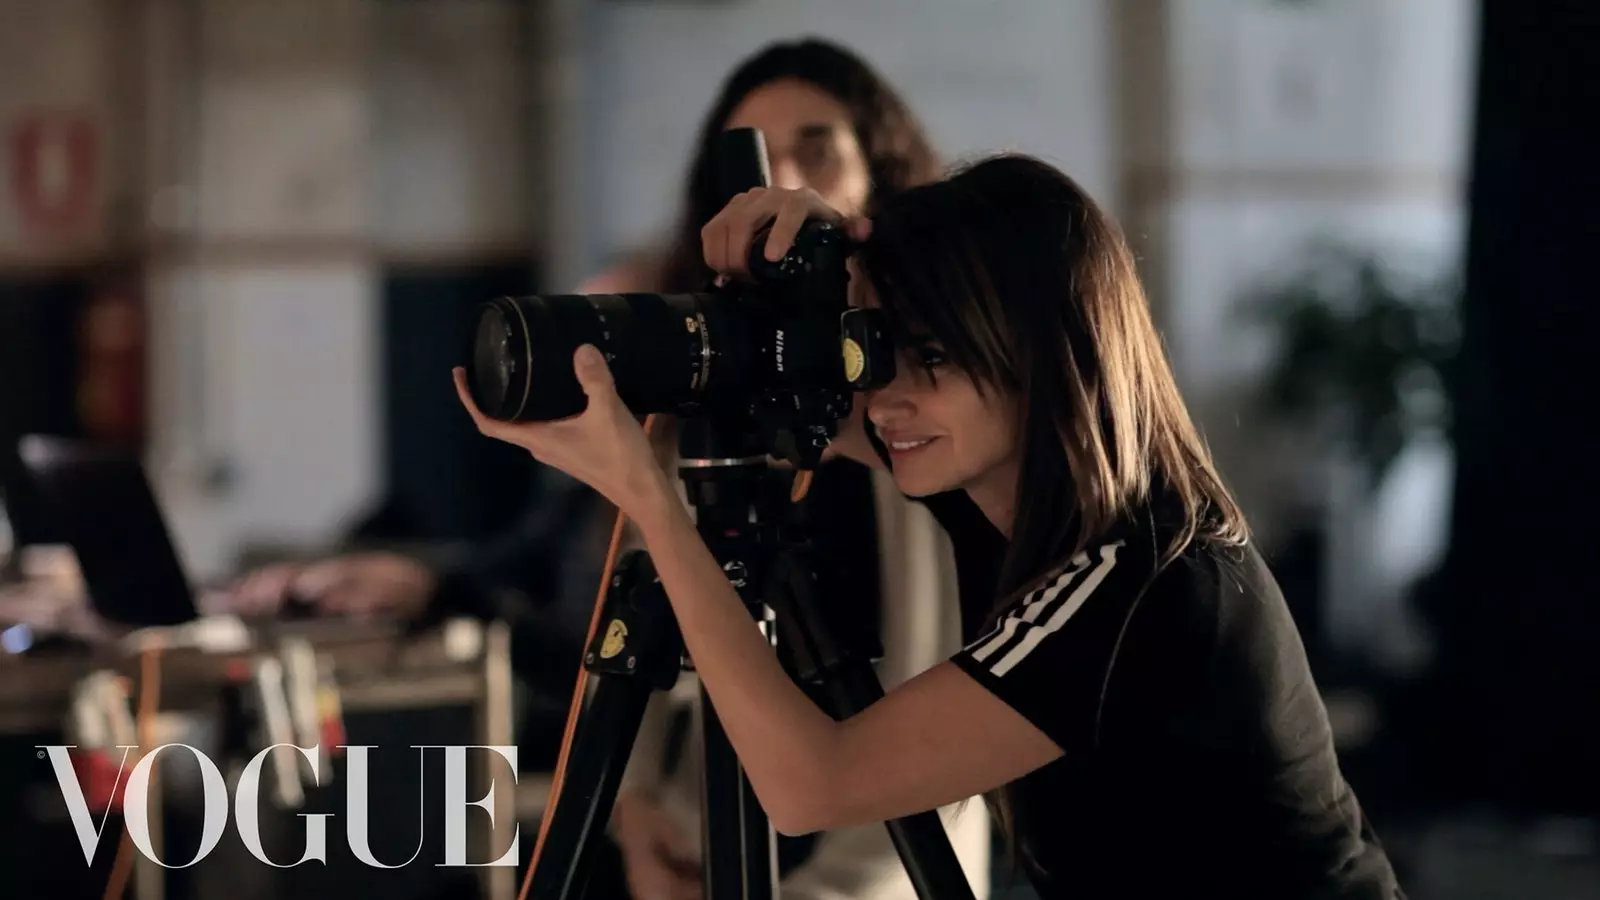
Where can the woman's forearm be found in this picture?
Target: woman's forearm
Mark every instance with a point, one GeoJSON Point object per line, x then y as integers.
{"type": "Point", "coordinates": [783, 740]}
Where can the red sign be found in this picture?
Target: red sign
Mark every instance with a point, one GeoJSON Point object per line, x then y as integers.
{"type": "Point", "coordinates": [53, 169]}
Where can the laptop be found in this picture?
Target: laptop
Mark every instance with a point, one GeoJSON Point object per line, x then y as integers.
{"type": "Point", "coordinates": [98, 501]}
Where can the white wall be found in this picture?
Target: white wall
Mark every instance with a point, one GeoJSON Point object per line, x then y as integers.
{"type": "Point", "coordinates": [263, 282]}
{"type": "Point", "coordinates": [452, 153]}
{"type": "Point", "coordinates": [336, 137]}
{"type": "Point", "coordinates": [1292, 122]}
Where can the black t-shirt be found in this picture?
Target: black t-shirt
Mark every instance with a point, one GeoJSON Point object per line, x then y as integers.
{"type": "Point", "coordinates": [1198, 757]}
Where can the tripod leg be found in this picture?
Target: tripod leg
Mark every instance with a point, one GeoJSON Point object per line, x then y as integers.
{"type": "Point", "coordinates": [924, 846]}
{"type": "Point", "coordinates": [599, 757]}
{"type": "Point", "coordinates": [760, 845]}
{"type": "Point", "coordinates": [845, 669]}
{"type": "Point", "coordinates": [723, 868]}
{"type": "Point", "coordinates": [741, 849]}
{"type": "Point", "coordinates": [637, 653]}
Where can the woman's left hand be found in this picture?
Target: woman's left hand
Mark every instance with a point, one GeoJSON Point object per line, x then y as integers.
{"type": "Point", "coordinates": [604, 446]}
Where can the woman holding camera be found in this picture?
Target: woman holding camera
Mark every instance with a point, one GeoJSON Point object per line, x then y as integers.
{"type": "Point", "coordinates": [1134, 701]}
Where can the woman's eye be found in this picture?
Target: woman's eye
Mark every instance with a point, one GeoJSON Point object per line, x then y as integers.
{"type": "Point", "coordinates": [931, 357]}
{"type": "Point", "coordinates": [814, 155]}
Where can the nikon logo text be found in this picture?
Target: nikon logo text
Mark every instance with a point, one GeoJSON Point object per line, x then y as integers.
{"type": "Point", "coordinates": [247, 803]}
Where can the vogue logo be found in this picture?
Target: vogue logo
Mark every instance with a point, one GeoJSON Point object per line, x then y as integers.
{"type": "Point", "coordinates": [247, 802]}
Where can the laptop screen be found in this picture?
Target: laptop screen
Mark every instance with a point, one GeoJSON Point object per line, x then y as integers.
{"type": "Point", "coordinates": [98, 501]}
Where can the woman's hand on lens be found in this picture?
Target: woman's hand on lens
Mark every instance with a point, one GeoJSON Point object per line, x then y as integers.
{"type": "Point", "coordinates": [604, 446]}
{"type": "Point", "coordinates": [726, 240]}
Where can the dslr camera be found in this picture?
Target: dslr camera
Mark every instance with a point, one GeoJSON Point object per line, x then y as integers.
{"type": "Point", "coordinates": [776, 360]}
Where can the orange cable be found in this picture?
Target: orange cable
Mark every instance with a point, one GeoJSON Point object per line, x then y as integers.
{"type": "Point", "coordinates": [578, 691]}
{"type": "Point", "coordinates": [144, 721]}
{"type": "Point", "coordinates": [801, 486]}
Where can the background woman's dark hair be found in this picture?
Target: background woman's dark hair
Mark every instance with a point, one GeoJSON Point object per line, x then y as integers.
{"type": "Point", "coordinates": [1031, 290]}
{"type": "Point", "coordinates": [897, 152]}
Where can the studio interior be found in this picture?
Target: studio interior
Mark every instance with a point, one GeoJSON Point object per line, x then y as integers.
{"type": "Point", "coordinates": [243, 244]}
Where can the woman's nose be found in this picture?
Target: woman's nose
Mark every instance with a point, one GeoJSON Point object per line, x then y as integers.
{"type": "Point", "coordinates": [885, 406]}
{"type": "Point", "coordinates": [786, 174]}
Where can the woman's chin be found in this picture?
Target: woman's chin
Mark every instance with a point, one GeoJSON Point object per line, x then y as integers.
{"type": "Point", "coordinates": [919, 484]}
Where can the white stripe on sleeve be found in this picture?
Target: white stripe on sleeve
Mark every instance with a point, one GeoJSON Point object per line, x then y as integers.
{"type": "Point", "coordinates": [1035, 606]}
{"type": "Point", "coordinates": [1037, 633]}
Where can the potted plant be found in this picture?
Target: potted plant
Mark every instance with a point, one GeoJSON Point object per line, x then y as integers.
{"type": "Point", "coordinates": [1362, 353]}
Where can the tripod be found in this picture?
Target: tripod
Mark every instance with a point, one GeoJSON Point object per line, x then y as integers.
{"type": "Point", "coordinates": [639, 650]}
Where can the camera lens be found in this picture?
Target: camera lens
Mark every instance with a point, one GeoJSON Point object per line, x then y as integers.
{"type": "Point", "coordinates": [774, 361]}
{"type": "Point", "coordinates": [494, 365]}
{"type": "Point", "coordinates": [657, 345]}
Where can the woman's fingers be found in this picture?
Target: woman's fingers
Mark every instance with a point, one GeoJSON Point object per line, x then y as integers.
{"type": "Point", "coordinates": [726, 241]}
{"type": "Point", "coordinates": [594, 375]}
{"type": "Point", "coordinates": [756, 209]}
{"type": "Point", "coordinates": [264, 590]}
{"type": "Point", "coordinates": [791, 215]}
{"type": "Point", "coordinates": [711, 241]}
{"type": "Point", "coordinates": [483, 422]}
{"type": "Point", "coordinates": [719, 236]}
{"type": "Point", "coordinates": [488, 427]}
{"type": "Point", "coordinates": [859, 229]}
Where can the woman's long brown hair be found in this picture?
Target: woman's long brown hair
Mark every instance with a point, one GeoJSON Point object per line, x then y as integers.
{"type": "Point", "coordinates": [1031, 290]}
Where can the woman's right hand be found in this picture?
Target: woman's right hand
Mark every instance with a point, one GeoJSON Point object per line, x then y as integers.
{"type": "Point", "coordinates": [657, 856]}
{"type": "Point", "coordinates": [726, 242]}
{"type": "Point", "coordinates": [726, 239]}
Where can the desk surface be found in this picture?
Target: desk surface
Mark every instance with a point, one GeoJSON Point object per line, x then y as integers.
{"type": "Point", "coordinates": [375, 665]}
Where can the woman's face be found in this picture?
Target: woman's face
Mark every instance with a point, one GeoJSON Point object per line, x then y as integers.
{"type": "Point", "coordinates": [811, 141]}
{"type": "Point", "coordinates": [941, 433]}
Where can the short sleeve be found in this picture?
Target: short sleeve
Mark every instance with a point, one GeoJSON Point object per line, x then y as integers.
{"type": "Point", "coordinates": [1049, 656]}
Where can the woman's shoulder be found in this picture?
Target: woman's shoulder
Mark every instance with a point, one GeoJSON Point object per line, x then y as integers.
{"type": "Point", "coordinates": [1209, 592]}
{"type": "Point", "coordinates": [1224, 597]}
{"type": "Point", "coordinates": [1221, 578]}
